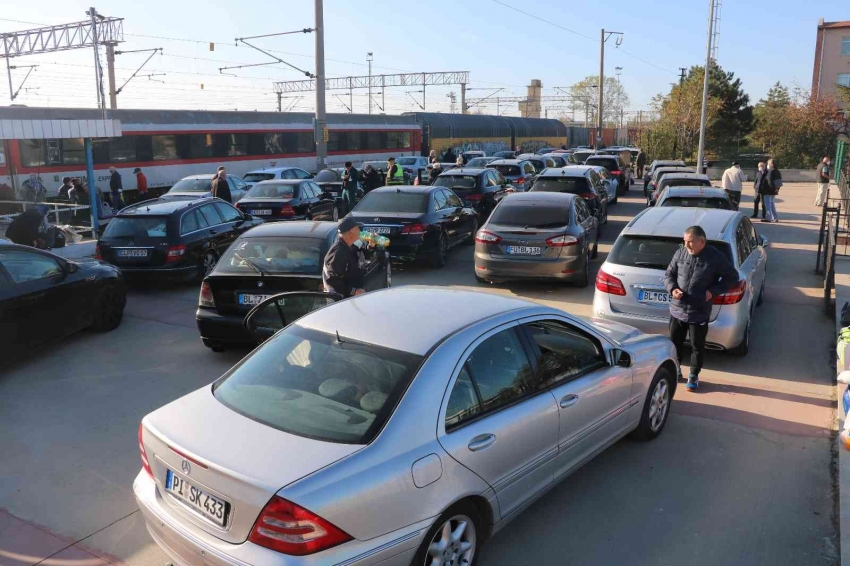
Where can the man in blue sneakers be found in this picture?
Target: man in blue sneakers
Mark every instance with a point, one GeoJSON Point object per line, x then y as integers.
{"type": "Point", "coordinates": [697, 274]}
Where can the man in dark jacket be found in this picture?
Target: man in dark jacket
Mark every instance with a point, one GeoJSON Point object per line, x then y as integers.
{"type": "Point", "coordinates": [757, 185]}
{"type": "Point", "coordinates": [341, 272]}
{"type": "Point", "coordinates": [371, 179]}
{"type": "Point", "coordinates": [116, 188]}
{"type": "Point", "coordinates": [30, 228]}
{"type": "Point", "coordinates": [349, 187]}
{"type": "Point", "coordinates": [219, 187]}
{"type": "Point", "coordinates": [697, 274]}
{"type": "Point", "coordinates": [640, 163]}
{"type": "Point", "coordinates": [65, 188]}
{"type": "Point", "coordinates": [771, 185]}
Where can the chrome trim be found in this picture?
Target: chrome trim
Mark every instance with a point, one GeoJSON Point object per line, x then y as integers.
{"type": "Point", "coordinates": [596, 426]}
{"type": "Point", "coordinates": [193, 512]}
{"type": "Point", "coordinates": [527, 469]}
{"type": "Point", "coordinates": [381, 548]}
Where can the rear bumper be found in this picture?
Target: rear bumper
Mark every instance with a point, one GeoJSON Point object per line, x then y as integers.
{"type": "Point", "coordinates": [222, 329]}
{"type": "Point", "coordinates": [180, 273]}
{"type": "Point", "coordinates": [564, 268]}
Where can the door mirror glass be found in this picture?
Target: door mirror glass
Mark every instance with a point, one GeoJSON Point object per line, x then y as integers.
{"type": "Point", "coordinates": [278, 311]}
{"type": "Point", "coordinates": [763, 241]}
{"type": "Point", "coordinates": [622, 359]}
{"type": "Point", "coordinates": [247, 217]}
{"type": "Point", "coordinates": [71, 267]}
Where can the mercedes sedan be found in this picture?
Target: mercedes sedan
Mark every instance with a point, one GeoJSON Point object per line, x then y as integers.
{"type": "Point", "coordinates": [347, 438]}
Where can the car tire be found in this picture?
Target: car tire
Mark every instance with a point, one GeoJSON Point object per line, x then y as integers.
{"type": "Point", "coordinates": [743, 348]}
{"type": "Point", "coordinates": [658, 399]}
{"type": "Point", "coordinates": [208, 263]}
{"type": "Point", "coordinates": [761, 292]}
{"type": "Point", "coordinates": [616, 199]}
{"type": "Point", "coordinates": [585, 280]}
{"type": "Point", "coordinates": [109, 308]}
{"type": "Point", "coordinates": [389, 280]}
{"type": "Point", "coordinates": [336, 214]}
{"type": "Point", "coordinates": [471, 240]}
{"type": "Point", "coordinates": [440, 254]}
{"type": "Point", "coordinates": [595, 248]}
{"type": "Point", "coordinates": [446, 533]}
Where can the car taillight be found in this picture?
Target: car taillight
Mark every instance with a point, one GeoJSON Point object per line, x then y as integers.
{"type": "Point", "coordinates": [206, 298]}
{"type": "Point", "coordinates": [615, 172]}
{"type": "Point", "coordinates": [521, 180]}
{"type": "Point", "coordinates": [587, 195]}
{"type": "Point", "coordinates": [562, 241]}
{"type": "Point", "coordinates": [414, 229]}
{"type": "Point", "coordinates": [473, 198]}
{"type": "Point", "coordinates": [610, 284]}
{"type": "Point", "coordinates": [286, 210]}
{"type": "Point", "coordinates": [176, 253]}
{"type": "Point", "coordinates": [144, 454]}
{"type": "Point", "coordinates": [485, 237]}
{"type": "Point", "coordinates": [732, 296]}
{"type": "Point", "coordinates": [97, 252]}
{"type": "Point", "coordinates": [286, 527]}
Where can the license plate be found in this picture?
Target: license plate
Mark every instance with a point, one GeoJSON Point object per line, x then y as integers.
{"type": "Point", "coordinates": [133, 253]}
{"type": "Point", "coordinates": [523, 250]}
{"type": "Point", "coordinates": [655, 297]}
{"type": "Point", "coordinates": [378, 229]}
{"type": "Point", "coordinates": [260, 212]}
{"type": "Point", "coordinates": [207, 505]}
{"type": "Point", "coordinates": [251, 299]}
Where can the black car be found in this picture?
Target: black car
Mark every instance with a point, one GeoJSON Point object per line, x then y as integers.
{"type": "Point", "coordinates": [615, 166]}
{"type": "Point", "coordinates": [330, 181]}
{"type": "Point", "coordinates": [288, 199]}
{"type": "Point", "coordinates": [274, 258]}
{"type": "Point", "coordinates": [172, 237]}
{"type": "Point", "coordinates": [44, 297]}
{"type": "Point", "coordinates": [576, 180]}
{"type": "Point", "coordinates": [479, 189]}
{"type": "Point", "coordinates": [420, 221]}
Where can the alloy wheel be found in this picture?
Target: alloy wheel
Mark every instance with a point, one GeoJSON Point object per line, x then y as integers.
{"type": "Point", "coordinates": [453, 543]}
{"type": "Point", "coordinates": [209, 263]}
{"type": "Point", "coordinates": [658, 405]}
{"type": "Point", "coordinates": [336, 214]}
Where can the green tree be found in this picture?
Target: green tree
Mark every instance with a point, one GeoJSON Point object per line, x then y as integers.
{"type": "Point", "coordinates": [735, 117]}
{"type": "Point", "coordinates": [586, 97]}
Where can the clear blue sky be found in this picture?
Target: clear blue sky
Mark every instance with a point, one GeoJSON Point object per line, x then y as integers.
{"type": "Point", "coordinates": [761, 42]}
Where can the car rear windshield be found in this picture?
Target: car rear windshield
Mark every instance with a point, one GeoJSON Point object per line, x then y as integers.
{"type": "Point", "coordinates": [527, 214]}
{"type": "Point", "coordinates": [572, 185]}
{"type": "Point", "coordinates": [312, 384]}
{"type": "Point", "coordinates": [651, 251]}
{"type": "Point", "coordinates": [579, 158]}
{"type": "Point", "coordinates": [137, 227]}
{"type": "Point", "coordinates": [257, 177]}
{"type": "Point", "coordinates": [191, 186]}
{"type": "Point", "coordinates": [686, 182]}
{"type": "Point", "coordinates": [272, 255]}
{"type": "Point", "coordinates": [406, 161]}
{"type": "Point", "coordinates": [507, 170]}
{"type": "Point", "coordinates": [457, 181]}
{"type": "Point", "coordinates": [698, 202]}
{"type": "Point", "coordinates": [326, 176]}
{"type": "Point", "coordinates": [609, 164]}
{"type": "Point", "coordinates": [271, 190]}
{"type": "Point", "coordinates": [393, 202]}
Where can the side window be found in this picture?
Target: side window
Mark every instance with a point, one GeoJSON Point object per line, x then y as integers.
{"type": "Point", "coordinates": [202, 220]}
{"type": "Point", "coordinates": [440, 200]}
{"type": "Point", "coordinates": [301, 174]}
{"type": "Point", "coordinates": [464, 403]}
{"type": "Point", "coordinates": [751, 234]}
{"type": "Point", "coordinates": [25, 266]}
{"type": "Point", "coordinates": [307, 191]}
{"type": "Point", "coordinates": [500, 179]}
{"type": "Point", "coordinates": [287, 174]}
{"type": "Point", "coordinates": [230, 183]}
{"type": "Point", "coordinates": [528, 168]}
{"type": "Point", "coordinates": [452, 200]}
{"type": "Point", "coordinates": [210, 215]}
{"type": "Point", "coordinates": [227, 212]}
{"type": "Point", "coordinates": [743, 242]}
{"type": "Point", "coordinates": [490, 179]}
{"type": "Point", "coordinates": [189, 223]}
{"type": "Point", "coordinates": [501, 372]}
{"type": "Point", "coordinates": [594, 179]}
{"type": "Point", "coordinates": [316, 189]}
{"type": "Point", "coordinates": [240, 184]}
{"type": "Point", "coordinates": [565, 352]}
{"type": "Point", "coordinates": [581, 210]}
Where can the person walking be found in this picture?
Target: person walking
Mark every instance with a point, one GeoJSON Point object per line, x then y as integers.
{"type": "Point", "coordinates": [395, 174]}
{"type": "Point", "coordinates": [733, 183]}
{"type": "Point", "coordinates": [341, 272]}
{"type": "Point", "coordinates": [757, 186]}
{"type": "Point", "coordinates": [116, 188]}
{"type": "Point", "coordinates": [349, 188]}
{"type": "Point", "coordinates": [141, 185]}
{"type": "Point", "coordinates": [219, 187]}
{"type": "Point", "coordinates": [823, 182]}
{"type": "Point", "coordinates": [640, 161]}
{"type": "Point", "coordinates": [772, 184]}
{"type": "Point", "coordinates": [697, 274]}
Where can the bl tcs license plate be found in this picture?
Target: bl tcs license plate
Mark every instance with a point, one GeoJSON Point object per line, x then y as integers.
{"type": "Point", "coordinates": [654, 297]}
{"type": "Point", "coordinates": [207, 505]}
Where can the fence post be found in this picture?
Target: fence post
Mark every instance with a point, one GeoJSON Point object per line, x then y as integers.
{"type": "Point", "coordinates": [839, 160]}
{"type": "Point", "coordinates": [94, 204]}
{"type": "Point", "coordinates": [821, 237]}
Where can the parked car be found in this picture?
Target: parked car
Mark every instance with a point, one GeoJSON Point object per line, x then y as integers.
{"type": "Point", "coordinates": [479, 189]}
{"type": "Point", "coordinates": [480, 161]}
{"type": "Point", "coordinates": [576, 180]}
{"type": "Point", "coordinates": [505, 154]}
{"type": "Point", "coordinates": [545, 150]}
{"type": "Point", "coordinates": [655, 165]}
{"type": "Point", "coordinates": [540, 162]}
{"type": "Point", "coordinates": [656, 177]}
{"type": "Point", "coordinates": [330, 182]}
{"type": "Point", "coordinates": [172, 237]}
{"type": "Point", "coordinates": [199, 186]}
{"type": "Point", "coordinates": [610, 184]}
{"type": "Point", "coordinates": [420, 222]}
{"type": "Point", "coordinates": [580, 156]}
{"type": "Point", "coordinates": [273, 259]}
{"type": "Point", "coordinates": [630, 286]}
{"type": "Point", "coordinates": [346, 438]}
{"type": "Point", "coordinates": [411, 166]}
{"type": "Point", "coordinates": [679, 179]}
{"type": "Point", "coordinates": [44, 298]}
{"type": "Point", "coordinates": [694, 197]}
{"type": "Point", "coordinates": [559, 159]}
{"type": "Point", "coordinates": [300, 199]}
{"type": "Point", "coordinates": [615, 165]}
{"type": "Point", "coordinates": [258, 175]}
{"type": "Point", "coordinates": [538, 235]}
{"type": "Point", "coordinates": [520, 173]}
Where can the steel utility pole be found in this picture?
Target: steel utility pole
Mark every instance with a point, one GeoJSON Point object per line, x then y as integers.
{"type": "Point", "coordinates": [704, 116]}
{"type": "Point", "coordinates": [600, 110]}
{"type": "Point", "coordinates": [110, 70]}
{"type": "Point", "coordinates": [98, 71]}
{"type": "Point", "coordinates": [321, 115]}
{"type": "Point", "coordinates": [369, 60]}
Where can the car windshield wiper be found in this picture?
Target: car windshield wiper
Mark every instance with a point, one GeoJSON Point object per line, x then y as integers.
{"type": "Point", "coordinates": [649, 264]}
{"type": "Point", "coordinates": [251, 264]}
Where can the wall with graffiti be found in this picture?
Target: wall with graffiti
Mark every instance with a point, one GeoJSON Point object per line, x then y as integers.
{"type": "Point", "coordinates": [488, 146]}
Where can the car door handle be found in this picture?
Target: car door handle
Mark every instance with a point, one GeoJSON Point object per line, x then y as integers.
{"type": "Point", "coordinates": [213, 231]}
{"type": "Point", "coordinates": [481, 442]}
{"type": "Point", "coordinates": [568, 401]}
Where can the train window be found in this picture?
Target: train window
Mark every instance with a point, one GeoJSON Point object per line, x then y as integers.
{"type": "Point", "coordinates": [353, 140]}
{"type": "Point", "coordinates": [392, 140]}
{"type": "Point", "coordinates": [2, 155]}
{"type": "Point", "coordinates": [144, 148]}
{"type": "Point", "coordinates": [256, 144]}
{"type": "Point", "coordinates": [200, 146]}
{"type": "Point", "coordinates": [73, 151]}
{"type": "Point", "coordinates": [374, 140]}
{"type": "Point", "coordinates": [164, 147]}
{"type": "Point", "coordinates": [32, 153]}
{"type": "Point", "coordinates": [121, 150]}
{"type": "Point", "coordinates": [237, 144]}
{"type": "Point", "coordinates": [337, 141]}
{"type": "Point", "coordinates": [273, 144]}
{"type": "Point", "coordinates": [404, 139]}
{"type": "Point", "coordinates": [306, 144]}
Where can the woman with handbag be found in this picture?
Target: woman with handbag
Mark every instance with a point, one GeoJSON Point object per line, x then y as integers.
{"type": "Point", "coordinates": [772, 184]}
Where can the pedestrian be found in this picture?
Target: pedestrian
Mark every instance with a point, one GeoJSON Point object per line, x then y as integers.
{"type": "Point", "coordinates": [395, 174]}
{"type": "Point", "coordinates": [432, 156]}
{"type": "Point", "coordinates": [772, 183]}
{"type": "Point", "coordinates": [32, 190]}
{"type": "Point", "coordinates": [449, 156]}
{"type": "Point", "coordinates": [733, 183]}
{"type": "Point", "coordinates": [371, 179]}
{"type": "Point", "coordinates": [141, 185]}
{"type": "Point", "coordinates": [341, 272]}
{"type": "Point", "coordinates": [116, 188]}
{"type": "Point", "coordinates": [65, 188]}
{"type": "Point", "coordinates": [31, 228]}
{"type": "Point", "coordinates": [641, 163]}
{"type": "Point", "coordinates": [697, 274]}
{"type": "Point", "coordinates": [219, 187]}
{"type": "Point", "coordinates": [823, 182]}
{"type": "Point", "coordinates": [459, 162]}
{"type": "Point", "coordinates": [349, 188]}
{"type": "Point", "coordinates": [435, 170]}
{"type": "Point", "coordinates": [757, 185]}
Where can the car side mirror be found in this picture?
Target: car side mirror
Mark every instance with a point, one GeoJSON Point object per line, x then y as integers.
{"type": "Point", "coordinates": [763, 241]}
{"type": "Point", "coordinates": [278, 311]}
{"type": "Point", "coordinates": [622, 359]}
{"type": "Point", "coordinates": [246, 217]}
{"type": "Point", "coordinates": [71, 267]}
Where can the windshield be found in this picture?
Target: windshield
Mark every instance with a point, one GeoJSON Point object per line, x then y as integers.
{"type": "Point", "coordinates": [609, 164]}
{"type": "Point", "coordinates": [480, 161]}
{"type": "Point", "coordinates": [698, 202]}
{"type": "Point", "coordinates": [507, 170]}
{"type": "Point", "coordinates": [572, 185]}
{"type": "Point", "coordinates": [311, 384]}
{"type": "Point", "coordinates": [652, 252]}
{"type": "Point", "coordinates": [272, 255]}
{"type": "Point", "coordinates": [137, 227]}
{"type": "Point", "coordinates": [257, 177]}
{"type": "Point", "coordinates": [457, 181]}
{"type": "Point", "coordinates": [686, 182]}
{"type": "Point", "coordinates": [536, 216]}
{"type": "Point", "coordinates": [326, 176]}
{"type": "Point", "coordinates": [271, 190]}
{"type": "Point", "coordinates": [385, 202]}
{"type": "Point", "coordinates": [192, 185]}
{"type": "Point", "coordinates": [406, 161]}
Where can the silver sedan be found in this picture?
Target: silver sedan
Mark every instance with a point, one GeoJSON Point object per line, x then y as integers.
{"type": "Point", "coordinates": [378, 430]}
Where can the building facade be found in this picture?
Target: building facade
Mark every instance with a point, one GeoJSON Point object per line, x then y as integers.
{"type": "Point", "coordinates": [832, 60]}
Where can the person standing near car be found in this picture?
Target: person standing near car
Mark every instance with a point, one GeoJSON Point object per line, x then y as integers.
{"type": "Point", "coordinates": [341, 271]}
{"type": "Point", "coordinates": [219, 187]}
{"type": "Point", "coordinates": [349, 187]}
{"type": "Point", "coordinates": [823, 182]}
{"type": "Point", "coordinates": [772, 183]}
{"type": "Point", "coordinates": [640, 162]}
{"type": "Point", "coordinates": [697, 274]}
{"type": "Point", "coordinates": [141, 185]}
{"type": "Point", "coordinates": [395, 174]}
{"type": "Point", "coordinates": [757, 185]}
{"type": "Point", "coordinates": [65, 188]}
{"type": "Point", "coordinates": [116, 188]}
{"type": "Point", "coordinates": [733, 184]}
{"type": "Point", "coordinates": [371, 179]}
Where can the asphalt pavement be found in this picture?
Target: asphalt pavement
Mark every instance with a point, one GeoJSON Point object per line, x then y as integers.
{"type": "Point", "coordinates": [743, 473]}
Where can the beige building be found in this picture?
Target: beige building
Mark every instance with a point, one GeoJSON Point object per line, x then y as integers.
{"type": "Point", "coordinates": [832, 58]}
{"type": "Point", "coordinates": [530, 108]}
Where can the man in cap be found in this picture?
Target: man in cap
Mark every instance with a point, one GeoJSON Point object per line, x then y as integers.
{"type": "Point", "coordinates": [341, 272]}
{"type": "Point", "coordinates": [395, 174]}
{"type": "Point", "coordinates": [733, 182]}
